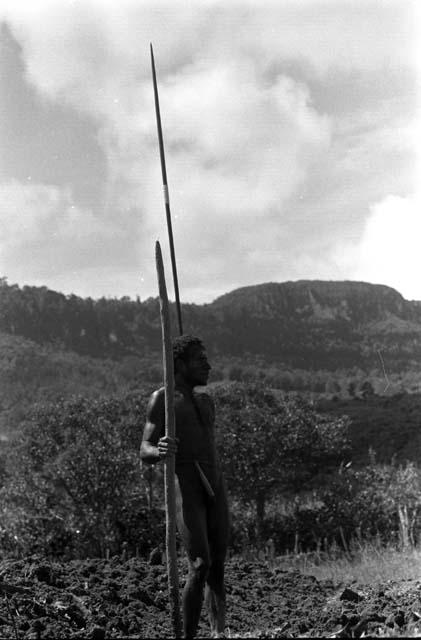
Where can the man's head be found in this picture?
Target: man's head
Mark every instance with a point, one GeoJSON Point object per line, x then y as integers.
{"type": "Point", "coordinates": [190, 360]}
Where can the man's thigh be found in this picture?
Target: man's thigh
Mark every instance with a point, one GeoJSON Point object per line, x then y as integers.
{"type": "Point", "coordinates": [218, 524]}
{"type": "Point", "coordinates": [192, 518]}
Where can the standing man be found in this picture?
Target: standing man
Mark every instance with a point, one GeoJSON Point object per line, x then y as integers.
{"type": "Point", "coordinates": [202, 509]}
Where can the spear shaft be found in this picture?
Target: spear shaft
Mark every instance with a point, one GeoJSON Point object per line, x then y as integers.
{"type": "Point", "coordinates": [166, 193]}
{"type": "Point", "coordinates": [169, 469]}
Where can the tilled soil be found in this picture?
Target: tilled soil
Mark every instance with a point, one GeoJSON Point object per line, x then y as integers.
{"type": "Point", "coordinates": [114, 599]}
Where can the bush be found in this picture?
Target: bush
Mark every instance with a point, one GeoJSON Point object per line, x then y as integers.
{"type": "Point", "coordinates": [271, 445]}
{"type": "Point", "coordinates": [74, 484]}
{"type": "Point", "coordinates": [379, 500]}
{"type": "Point", "coordinates": [377, 503]}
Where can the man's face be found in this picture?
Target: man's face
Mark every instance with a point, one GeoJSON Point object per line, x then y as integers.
{"type": "Point", "coordinates": [197, 367]}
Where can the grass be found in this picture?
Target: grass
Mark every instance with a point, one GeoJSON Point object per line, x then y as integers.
{"type": "Point", "coordinates": [366, 564]}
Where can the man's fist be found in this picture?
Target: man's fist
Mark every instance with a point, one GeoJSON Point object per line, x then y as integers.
{"type": "Point", "coordinates": [167, 447]}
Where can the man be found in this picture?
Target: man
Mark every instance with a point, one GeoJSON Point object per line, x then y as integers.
{"type": "Point", "coordinates": [202, 510]}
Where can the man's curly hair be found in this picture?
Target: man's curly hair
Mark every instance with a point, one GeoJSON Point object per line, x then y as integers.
{"type": "Point", "coordinates": [182, 345]}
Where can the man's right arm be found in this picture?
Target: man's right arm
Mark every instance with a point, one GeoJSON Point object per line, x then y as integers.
{"type": "Point", "coordinates": [155, 445]}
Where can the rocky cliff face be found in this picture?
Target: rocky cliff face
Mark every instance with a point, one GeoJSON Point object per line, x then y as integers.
{"type": "Point", "coordinates": [318, 324]}
{"type": "Point", "coordinates": [320, 300]}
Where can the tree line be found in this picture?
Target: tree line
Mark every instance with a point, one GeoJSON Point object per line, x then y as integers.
{"type": "Point", "coordinates": [106, 327]}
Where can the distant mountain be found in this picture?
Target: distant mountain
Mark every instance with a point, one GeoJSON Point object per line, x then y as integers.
{"type": "Point", "coordinates": [318, 301]}
{"type": "Point", "coordinates": [308, 324]}
{"type": "Point", "coordinates": [317, 324]}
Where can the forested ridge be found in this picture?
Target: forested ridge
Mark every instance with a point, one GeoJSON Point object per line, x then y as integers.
{"type": "Point", "coordinates": [306, 324]}
{"type": "Point", "coordinates": [99, 328]}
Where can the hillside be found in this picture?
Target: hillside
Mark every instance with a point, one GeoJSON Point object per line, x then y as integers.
{"type": "Point", "coordinates": [390, 426]}
{"type": "Point", "coordinates": [324, 325]}
{"type": "Point", "coordinates": [307, 324]}
{"type": "Point", "coordinates": [33, 373]}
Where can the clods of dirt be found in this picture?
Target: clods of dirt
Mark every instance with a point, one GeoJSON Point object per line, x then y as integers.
{"type": "Point", "coordinates": [99, 599]}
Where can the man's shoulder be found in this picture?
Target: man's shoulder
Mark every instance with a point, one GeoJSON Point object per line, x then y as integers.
{"type": "Point", "coordinates": [158, 392]}
{"type": "Point", "coordinates": [206, 401]}
{"type": "Point", "coordinates": [204, 396]}
{"type": "Point", "coordinates": [157, 396]}
{"type": "Point", "coordinates": [200, 393]}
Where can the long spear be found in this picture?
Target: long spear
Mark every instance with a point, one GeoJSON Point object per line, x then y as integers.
{"type": "Point", "coordinates": [166, 193]}
{"type": "Point", "coordinates": [169, 469]}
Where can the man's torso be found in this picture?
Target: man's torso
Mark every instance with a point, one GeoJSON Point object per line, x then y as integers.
{"type": "Point", "coordinates": [195, 429]}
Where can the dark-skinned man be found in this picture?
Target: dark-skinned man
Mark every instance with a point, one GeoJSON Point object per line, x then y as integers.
{"type": "Point", "coordinates": [202, 510]}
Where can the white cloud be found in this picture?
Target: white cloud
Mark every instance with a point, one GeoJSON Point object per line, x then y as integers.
{"type": "Point", "coordinates": [72, 48]}
{"type": "Point", "coordinates": [388, 251]}
{"type": "Point", "coordinates": [232, 164]}
{"type": "Point", "coordinates": [238, 144]}
{"type": "Point", "coordinates": [42, 232]}
{"type": "Point", "coordinates": [242, 134]}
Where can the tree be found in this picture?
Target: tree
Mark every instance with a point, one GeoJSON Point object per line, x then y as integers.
{"type": "Point", "coordinates": [366, 389]}
{"type": "Point", "coordinates": [271, 444]}
{"type": "Point", "coordinates": [352, 388]}
{"type": "Point", "coordinates": [332, 387]}
{"type": "Point", "coordinates": [235, 373]}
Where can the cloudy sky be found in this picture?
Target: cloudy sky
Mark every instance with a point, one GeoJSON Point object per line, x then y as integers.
{"type": "Point", "coordinates": [292, 133]}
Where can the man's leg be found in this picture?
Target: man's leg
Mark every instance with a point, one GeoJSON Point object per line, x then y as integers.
{"type": "Point", "coordinates": [218, 533]}
{"type": "Point", "coordinates": [193, 595]}
{"type": "Point", "coordinates": [191, 521]}
{"type": "Point", "coordinates": [215, 594]}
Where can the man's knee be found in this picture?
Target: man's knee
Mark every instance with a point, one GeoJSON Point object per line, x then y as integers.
{"type": "Point", "coordinates": [215, 576]}
{"type": "Point", "coordinates": [218, 552]}
{"type": "Point", "coordinates": [199, 569]}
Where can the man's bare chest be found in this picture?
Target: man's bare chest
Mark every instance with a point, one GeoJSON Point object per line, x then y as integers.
{"type": "Point", "coordinates": [194, 411]}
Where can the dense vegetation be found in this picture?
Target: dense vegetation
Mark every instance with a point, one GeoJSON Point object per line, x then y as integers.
{"type": "Point", "coordinates": [73, 486]}
{"type": "Point", "coordinates": [272, 445]}
{"type": "Point", "coordinates": [72, 480]}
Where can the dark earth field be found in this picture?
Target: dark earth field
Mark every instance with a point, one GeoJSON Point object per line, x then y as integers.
{"type": "Point", "coordinates": [114, 599]}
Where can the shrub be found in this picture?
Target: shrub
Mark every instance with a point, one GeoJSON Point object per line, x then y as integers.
{"type": "Point", "coordinates": [74, 482]}
{"type": "Point", "coordinates": [272, 445]}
